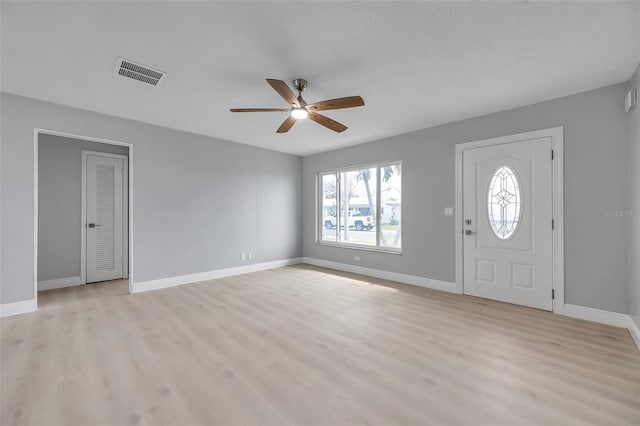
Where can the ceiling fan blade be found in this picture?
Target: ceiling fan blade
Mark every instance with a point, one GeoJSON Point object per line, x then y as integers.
{"type": "Point", "coordinates": [259, 109]}
{"type": "Point", "coordinates": [348, 102]}
{"type": "Point", "coordinates": [327, 122]}
{"type": "Point", "coordinates": [283, 90]}
{"type": "Point", "coordinates": [286, 125]}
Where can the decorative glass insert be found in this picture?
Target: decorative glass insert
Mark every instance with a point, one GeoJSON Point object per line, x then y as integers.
{"type": "Point", "coordinates": [503, 203]}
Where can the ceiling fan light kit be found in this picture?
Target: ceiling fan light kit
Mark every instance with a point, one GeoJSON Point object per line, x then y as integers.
{"type": "Point", "coordinates": [300, 109]}
{"type": "Point", "coordinates": [299, 113]}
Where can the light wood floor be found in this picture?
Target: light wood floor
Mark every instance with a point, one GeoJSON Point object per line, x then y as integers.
{"type": "Point", "coordinates": [308, 346]}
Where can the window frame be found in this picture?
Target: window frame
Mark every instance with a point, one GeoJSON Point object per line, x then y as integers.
{"type": "Point", "coordinates": [320, 216]}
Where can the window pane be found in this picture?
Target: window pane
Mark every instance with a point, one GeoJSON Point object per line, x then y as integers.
{"type": "Point", "coordinates": [503, 203]}
{"type": "Point", "coordinates": [358, 206]}
{"type": "Point", "coordinates": [328, 210]}
{"type": "Point", "coordinates": [390, 206]}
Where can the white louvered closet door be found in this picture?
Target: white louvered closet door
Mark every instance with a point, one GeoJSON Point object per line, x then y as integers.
{"type": "Point", "coordinates": [105, 218]}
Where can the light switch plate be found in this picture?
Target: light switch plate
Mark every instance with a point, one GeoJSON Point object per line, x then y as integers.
{"type": "Point", "coordinates": [448, 211]}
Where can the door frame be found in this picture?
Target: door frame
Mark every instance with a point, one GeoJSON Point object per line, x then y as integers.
{"type": "Point", "coordinates": [38, 131]}
{"type": "Point", "coordinates": [557, 145]}
{"type": "Point", "coordinates": [83, 214]}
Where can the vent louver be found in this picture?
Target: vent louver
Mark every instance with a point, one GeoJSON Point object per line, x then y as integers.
{"type": "Point", "coordinates": [139, 72]}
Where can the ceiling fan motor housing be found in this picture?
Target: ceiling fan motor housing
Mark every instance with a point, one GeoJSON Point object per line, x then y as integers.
{"type": "Point", "coordinates": [300, 84]}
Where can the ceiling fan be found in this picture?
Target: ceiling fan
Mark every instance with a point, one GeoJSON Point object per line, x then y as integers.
{"type": "Point", "coordinates": [300, 109]}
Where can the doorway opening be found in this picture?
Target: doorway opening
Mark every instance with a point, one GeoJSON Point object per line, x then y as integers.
{"type": "Point", "coordinates": [82, 215]}
{"type": "Point", "coordinates": [510, 220]}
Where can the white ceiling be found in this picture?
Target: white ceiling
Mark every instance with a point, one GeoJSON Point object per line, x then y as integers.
{"type": "Point", "coordinates": [416, 64]}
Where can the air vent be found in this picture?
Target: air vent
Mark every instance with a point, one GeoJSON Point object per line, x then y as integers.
{"type": "Point", "coordinates": [139, 72]}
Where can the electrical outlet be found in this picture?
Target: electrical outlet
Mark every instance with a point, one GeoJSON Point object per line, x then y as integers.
{"type": "Point", "coordinates": [250, 255]}
{"type": "Point", "coordinates": [356, 258]}
{"type": "Point", "coordinates": [243, 257]}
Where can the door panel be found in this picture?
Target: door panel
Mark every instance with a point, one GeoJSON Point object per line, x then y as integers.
{"type": "Point", "coordinates": [105, 218]}
{"type": "Point", "coordinates": [507, 208]}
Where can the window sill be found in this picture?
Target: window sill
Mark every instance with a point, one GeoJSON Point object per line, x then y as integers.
{"type": "Point", "coordinates": [387, 250]}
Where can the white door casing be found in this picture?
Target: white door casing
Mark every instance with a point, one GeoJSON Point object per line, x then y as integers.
{"type": "Point", "coordinates": [513, 264]}
{"type": "Point", "coordinates": [104, 218]}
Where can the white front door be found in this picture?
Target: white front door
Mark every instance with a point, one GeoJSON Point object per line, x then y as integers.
{"type": "Point", "coordinates": [507, 213]}
{"type": "Point", "coordinates": [104, 217]}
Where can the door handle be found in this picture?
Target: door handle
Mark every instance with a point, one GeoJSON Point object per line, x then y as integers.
{"type": "Point", "coordinates": [469, 232]}
{"type": "Point", "coordinates": [92, 225]}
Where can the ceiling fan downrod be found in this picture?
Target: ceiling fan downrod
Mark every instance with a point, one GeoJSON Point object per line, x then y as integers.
{"type": "Point", "coordinates": [300, 84]}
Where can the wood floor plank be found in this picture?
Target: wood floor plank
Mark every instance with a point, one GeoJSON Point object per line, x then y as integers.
{"type": "Point", "coordinates": [307, 345]}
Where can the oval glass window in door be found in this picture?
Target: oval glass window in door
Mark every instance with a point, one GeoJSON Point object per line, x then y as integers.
{"type": "Point", "coordinates": [504, 205]}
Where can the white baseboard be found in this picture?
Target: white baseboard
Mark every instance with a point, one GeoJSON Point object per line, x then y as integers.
{"type": "Point", "coordinates": [17, 308]}
{"type": "Point", "coordinates": [605, 317]}
{"type": "Point", "coordinates": [386, 275]}
{"type": "Point", "coordinates": [634, 330]}
{"type": "Point", "coordinates": [210, 275]}
{"type": "Point", "coordinates": [597, 315]}
{"type": "Point", "coordinates": [59, 283]}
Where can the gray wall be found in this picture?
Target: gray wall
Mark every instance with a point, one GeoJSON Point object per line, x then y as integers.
{"type": "Point", "coordinates": [198, 201]}
{"type": "Point", "coordinates": [595, 179]}
{"type": "Point", "coordinates": [59, 182]}
{"type": "Point", "coordinates": [634, 205]}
